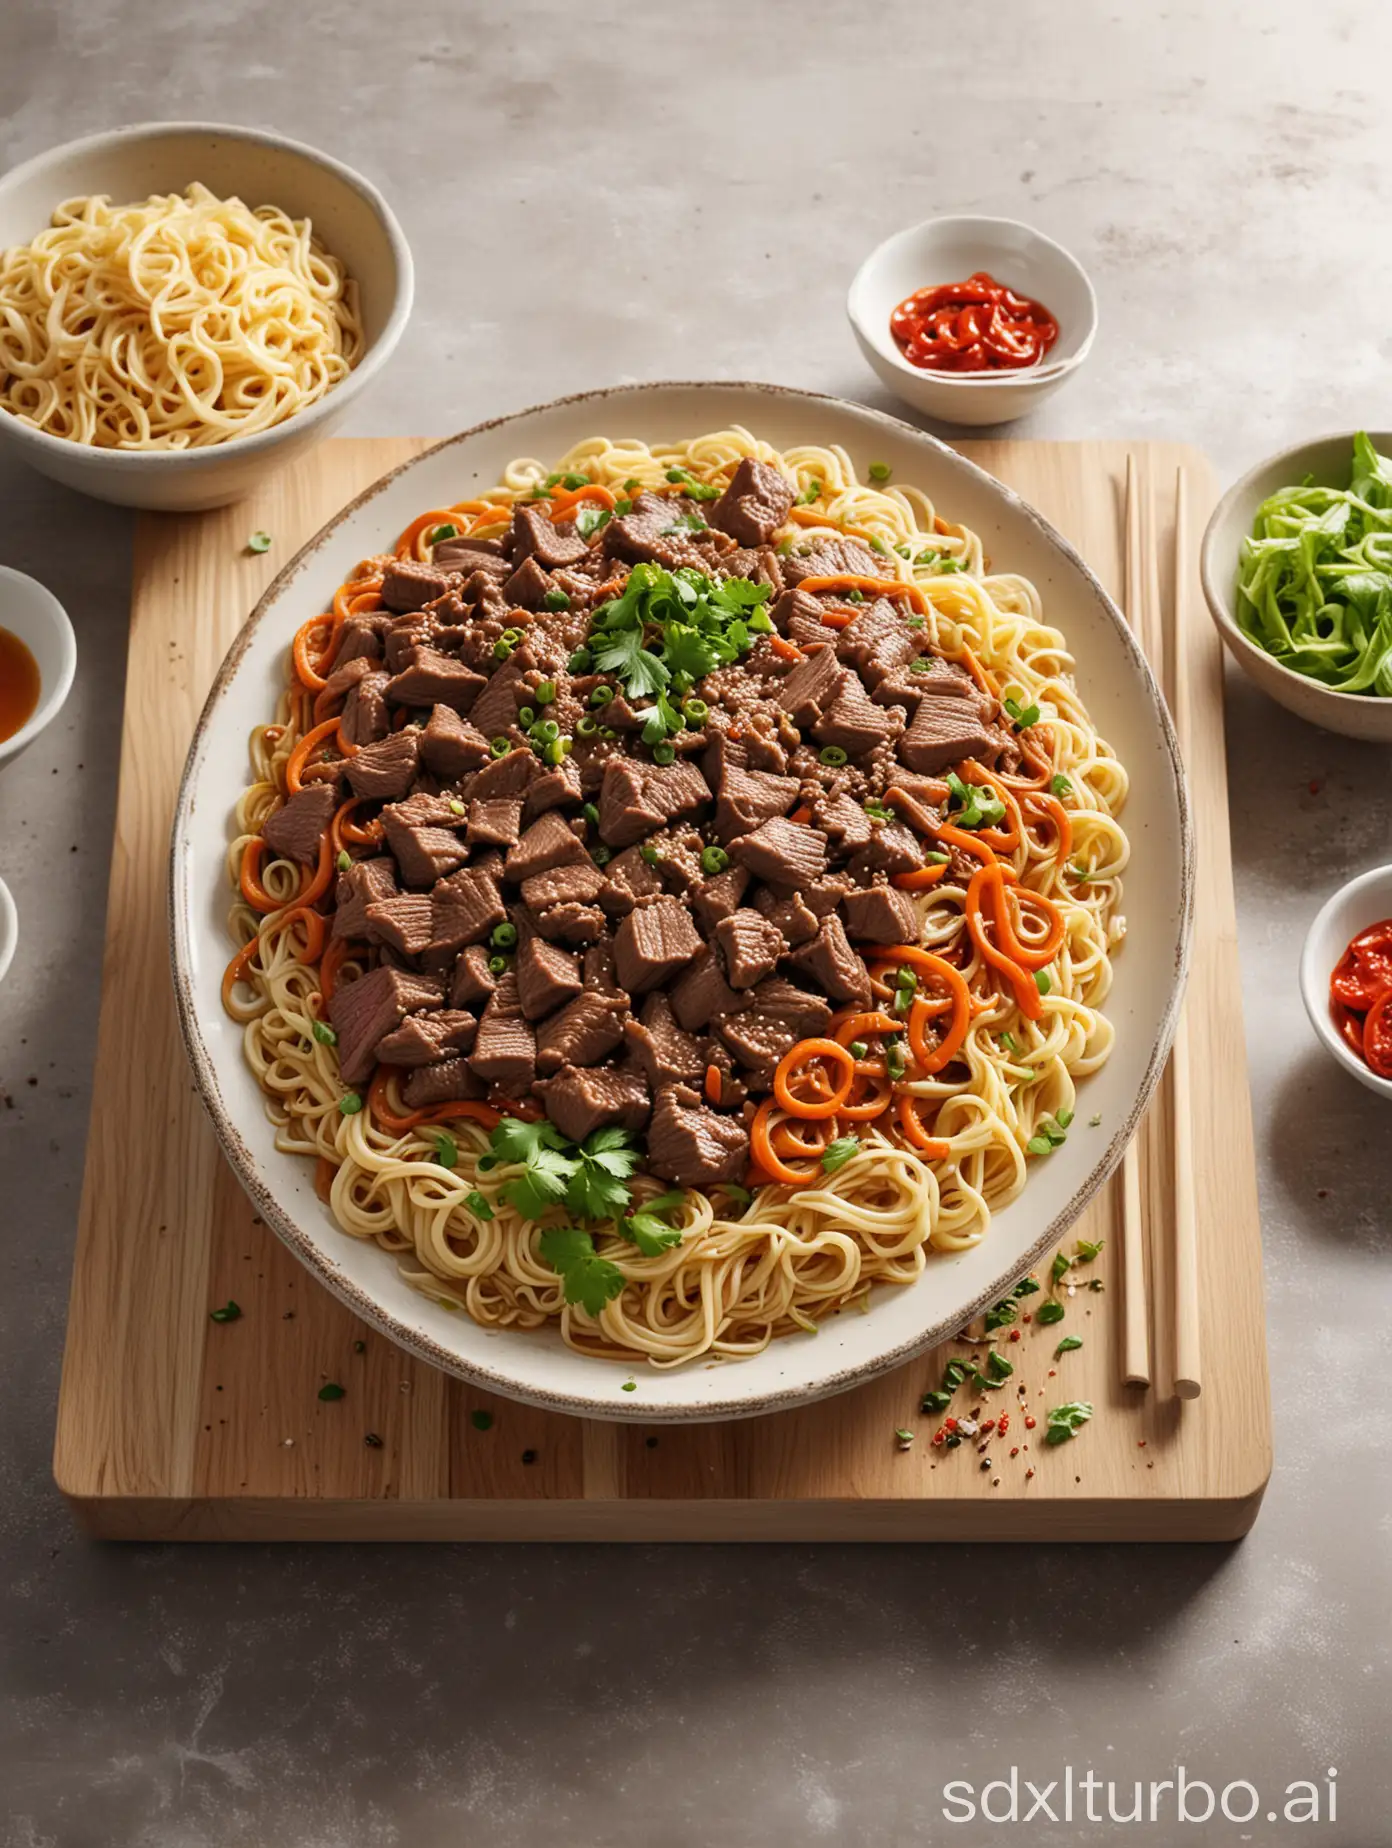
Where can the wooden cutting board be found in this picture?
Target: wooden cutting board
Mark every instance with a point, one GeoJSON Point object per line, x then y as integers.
{"type": "Point", "coordinates": [171, 1426]}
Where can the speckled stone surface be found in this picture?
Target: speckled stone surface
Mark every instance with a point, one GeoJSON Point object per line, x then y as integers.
{"type": "Point", "coordinates": [608, 193]}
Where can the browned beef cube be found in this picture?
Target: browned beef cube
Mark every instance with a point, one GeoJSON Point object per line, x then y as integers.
{"type": "Point", "coordinates": [570, 923]}
{"type": "Point", "coordinates": [528, 584]}
{"type": "Point", "coordinates": [495, 709]}
{"type": "Point", "coordinates": [365, 716]}
{"type": "Point", "coordinates": [701, 994]}
{"type": "Point", "coordinates": [365, 883]}
{"type": "Point", "coordinates": [585, 1031]}
{"type": "Point", "coordinates": [833, 964]}
{"type": "Point", "coordinates": [659, 1047]}
{"type": "Point", "coordinates": [365, 1011]}
{"type": "Point", "coordinates": [784, 854]}
{"type": "Point", "coordinates": [407, 585]}
{"type": "Point", "coordinates": [636, 798]}
{"type": "Point", "coordinates": [945, 730]}
{"type": "Point", "coordinates": [833, 558]}
{"type": "Point", "coordinates": [750, 945]}
{"type": "Point", "coordinates": [401, 639]}
{"type": "Point", "coordinates": [549, 841]}
{"type": "Point", "coordinates": [418, 833]}
{"type": "Point", "coordinates": [892, 850]}
{"type": "Point", "coordinates": [812, 686]}
{"type": "Point", "coordinates": [382, 772]}
{"type": "Point", "coordinates": [790, 914]}
{"type": "Point", "coordinates": [432, 679]}
{"type": "Point", "coordinates": [442, 1083]}
{"type": "Point", "coordinates": [451, 746]}
{"type": "Point", "coordinates": [505, 1049]}
{"type": "Point", "coordinates": [336, 688]}
{"type": "Point", "coordinates": [579, 1101]}
{"type": "Point", "coordinates": [852, 722]}
{"type": "Point", "coordinates": [654, 532]}
{"type": "Point", "coordinates": [402, 922]}
{"type": "Point", "coordinates": [359, 636]}
{"type": "Point", "coordinates": [471, 555]}
{"type": "Point", "coordinates": [678, 852]}
{"type": "Point", "coordinates": [494, 821]}
{"type": "Point", "coordinates": [579, 884]}
{"type": "Point", "coordinates": [877, 642]}
{"type": "Point", "coordinates": [717, 897]}
{"type": "Point", "coordinates": [693, 1145]}
{"type": "Point", "coordinates": [844, 822]}
{"type": "Point", "coordinates": [824, 895]}
{"type": "Point", "coordinates": [295, 831]}
{"type": "Point", "coordinates": [652, 943]}
{"type": "Point", "coordinates": [781, 1014]}
{"type": "Point", "coordinates": [464, 908]}
{"type": "Point", "coordinates": [472, 981]}
{"type": "Point", "coordinates": [746, 798]}
{"type": "Point", "coordinates": [760, 564]}
{"type": "Point", "coordinates": [510, 775]}
{"type": "Point", "coordinates": [755, 504]}
{"type": "Point", "coordinates": [630, 880]}
{"type": "Point", "coordinates": [551, 789]}
{"type": "Point", "coordinates": [797, 613]}
{"type": "Point", "coordinates": [424, 1039]}
{"type": "Point", "coordinates": [535, 536]}
{"type": "Point", "coordinates": [547, 977]}
{"type": "Point", "coordinates": [918, 800]}
{"type": "Point", "coordinates": [880, 914]}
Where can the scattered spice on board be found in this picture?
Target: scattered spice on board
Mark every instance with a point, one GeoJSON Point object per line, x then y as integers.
{"type": "Point", "coordinates": [331, 1390]}
{"type": "Point", "coordinates": [229, 1312]}
{"type": "Point", "coordinates": [481, 1420]}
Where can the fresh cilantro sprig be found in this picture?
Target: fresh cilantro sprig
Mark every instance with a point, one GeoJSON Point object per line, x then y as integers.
{"type": "Point", "coordinates": [590, 1177]}
{"type": "Point", "coordinates": [586, 1278]}
{"type": "Point", "coordinates": [977, 806]}
{"type": "Point", "coordinates": [666, 623]}
{"type": "Point", "coordinates": [648, 1228]}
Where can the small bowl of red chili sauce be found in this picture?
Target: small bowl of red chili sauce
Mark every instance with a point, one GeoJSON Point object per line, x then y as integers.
{"type": "Point", "coordinates": [38, 658]}
{"type": "Point", "coordinates": [973, 320]}
{"type": "Point", "coordinates": [1346, 977]}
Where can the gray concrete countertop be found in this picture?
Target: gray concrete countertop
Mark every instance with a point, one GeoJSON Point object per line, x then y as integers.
{"type": "Point", "coordinates": [607, 193]}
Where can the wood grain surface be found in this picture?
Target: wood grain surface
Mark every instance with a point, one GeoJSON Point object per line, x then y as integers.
{"type": "Point", "coordinates": [171, 1426]}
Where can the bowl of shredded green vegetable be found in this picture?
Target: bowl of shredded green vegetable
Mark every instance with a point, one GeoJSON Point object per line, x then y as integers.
{"type": "Point", "coordinates": [1297, 570]}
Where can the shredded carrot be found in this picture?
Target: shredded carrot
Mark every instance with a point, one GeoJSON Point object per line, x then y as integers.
{"type": "Point", "coordinates": [800, 816]}
{"type": "Point", "coordinates": [920, 879]}
{"type": "Point", "coordinates": [938, 970]}
{"type": "Point", "coordinates": [236, 970]}
{"type": "Point", "coordinates": [315, 930]}
{"type": "Point", "coordinates": [856, 1026]}
{"type": "Point", "coordinates": [794, 1062]}
{"type": "Point", "coordinates": [1059, 816]}
{"type": "Point", "coordinates": [1035, 952]}
{"type": "Point", "coordinates": [772, 1165]}
{"type": "Point", "coordinates": [978, 672]}
{"type": "Point", "coordinates": [411, 542]}
{"type": "Point", "coordinates": [315, 887]}
{"type": "Point", "coordinates": [1027, 995]}
{"type": "Point", "coordinates": [335, 955]}
{"type": "Point", "coordinates": [712, 1084]}
{"type": "Point", "coordinates": [860, 1108]}
{"type": "Point", "coordinates": [838, 619]}
{"type": "Point", "coordinates": [784, 649]}
{"type": "Point", "coordinates": [968, 842]}
{"type": "Point", "coordinates": [880, 587]}
{"type": "Point", "coordinates": [911, 1124]}
{"type": "Point", "coordinates": [793, 1138]}
{"type": "Point", "coordinates": [307, 745]}
{"type": "Point", "coordinates": [439, 1113]}
{"type": "Point", "coordinates": [306, 672]}
{"type": "Point", "coordinates": [249, 879]}
{"type": "Point", "coordinates": [568, 500]}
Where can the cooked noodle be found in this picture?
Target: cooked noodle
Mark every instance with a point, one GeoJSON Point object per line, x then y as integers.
{"type": "Point", "coordinates": [179, 322]}
{"type": "Point", "coordinates": [796, 1253]}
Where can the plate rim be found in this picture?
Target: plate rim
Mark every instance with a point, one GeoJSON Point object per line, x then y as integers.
{"type": "Point", "coordinates": [479, 1373]}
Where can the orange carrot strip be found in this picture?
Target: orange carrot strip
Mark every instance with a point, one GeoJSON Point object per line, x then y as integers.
{"type": "Point", "coordinates": [305, 672]}
{"type": "Point", "coordinates": [1027, 995]}
{"type": "Point", "coordinates": [315, 887]}
{"type": "Point", "coordinates": [335, 955]}
{"type": "Point", "coordinates": [315, 929]}
{"type": "Point", "coordinates": [784, 649]}
{"type": "Point", "coordinates": [1059, 816]}
{"type": "Point", "coordinates": [772, 1165]}
{"type": "Point", "coordinates": [909, 1121]}
{"type": "Point", "coordinates": [312, 739]}
{"type": "Point", "coordinates": [249, 878]}
{"type": "Point", "coordinates": [919, 880]}
{"type": "Point", "coordinates": [803, 1054]}
{"type": "Point", "coordinates": [236, 970]}
{"type": "Point", "coordinates": [713, 1084]}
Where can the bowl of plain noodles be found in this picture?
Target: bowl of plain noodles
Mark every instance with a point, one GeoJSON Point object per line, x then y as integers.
{"type": "Point", "coordinates": [184, 307]}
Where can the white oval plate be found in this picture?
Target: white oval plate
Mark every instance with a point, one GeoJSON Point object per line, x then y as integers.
{"type": "Point", "coordinates": [1122, 698]}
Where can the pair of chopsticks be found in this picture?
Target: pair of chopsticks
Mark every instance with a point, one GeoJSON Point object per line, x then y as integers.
{"type": "Point", "coordinates": [1143, 612]}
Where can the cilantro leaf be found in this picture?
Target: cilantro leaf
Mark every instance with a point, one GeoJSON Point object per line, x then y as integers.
{"type": "Point", "coordinates": [1051, 1311]}
{"type": "Point", "coordinates": [600, 1171]}
{"type": "Point", "coordinates": [1067, 1346]}
{"type": "Point", "coordinates": [586, 1278]}
{"type": "Point", "coordinates": [836, 1154]}
{"type": "Point", "coordinates": [650, 1234]}
{"type": "Point", "coordinates": [589, 520]}
{"type": "Point", "coordinates": [542, 1185]}
{"type": "Point", "coordinates": [1066, 1421]}
{"type": "Point", "coordinates": [978, 807]}
{"type": "Point", "coordinates": [623, 653]}
{"type": "Point", "coordinates": [1023, 716]}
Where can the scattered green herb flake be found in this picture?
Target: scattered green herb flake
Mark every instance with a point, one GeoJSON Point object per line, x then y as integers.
{"type": "Point", "coordinates": [586, 1279]}
{"type": "Point", "coordinates": [259, 542]}
{"type": "Point", "coordinates": [446, 531]}
{"type": "Point", "coordinates": [1001, 1316]}
{"type": "Point", "coordinates": [978, 806]}
{"type": "Point", "coordinates": [629, 1386]}
{"type": "Point", "coordinates": [878, 545]}
{"type": "Point", "coordinates": [1027, 1286]}
{"type": "Point", "coordinates": [953, 1375]}
{"type": "Point", "coordinates": [590, 520]}
{"type": "Point", "coordinates": [1095, 1122]}
{"type": "Point", "coordinates": [935, 1401]}
{"type": "Point", "coordinates": [904, 1438]}
{"type": "Point", "coordinates": [741, 1195]}
{"type": "Point", "coordinates": [1086, 1249]}
{"type": "Point", "coordinates": [1051, 1133]}
{"type": "Point", "coordinates": [998, 1366]}
{"type": "Point", "coordinates": [1060, 784]}
{"type": "Point", "coordinates": [648, 1228]}
{"type": "Point", "coordinates": [229, 1312]}
{"type": "Point", "coordinates": [331, 1390]}
{"type": "Point", "coordinates": [809, 494]}
{"type": "Point", "coordinates": [1049, 1312]}
{"type": "Point", "coordinates": [372, 1440]}
{"type": "Point", "coordinates": [880, 471]}
{"type": "Point", "coordinates": [838, 1153]}
{"type": "Point", "coordinates": [1043, 981]}
{"type": "Point", "coordinates": [481, 1420]}
{"type": "Point", "coordinates": [1022, 716]}
{"type": "Point", "coordinates": [324, 1033]}
{"type": "Point", "coordinates": [478, 1205]}
{"type": "Point", "coordinates": [350, 1103]}
{"type": "Point", "coordinates": [555, 600]}
{"type": "Point", "coordinates": [1065, 1421]}
{"type": "Point", "coordinates": [446, 1148]}
{"type": "Point", "coordinates": [1007, 1041]}
{"type": "Point", "coordinates": [359, 1347]}
{"type": "Point", "coordinates": [1060, 1267]}
{"type": "Point", "coordinates": [1069, 1345]}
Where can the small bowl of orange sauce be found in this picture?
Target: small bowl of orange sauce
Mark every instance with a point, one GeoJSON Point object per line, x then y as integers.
{"type": "Point", "coordinates": [38, 658]}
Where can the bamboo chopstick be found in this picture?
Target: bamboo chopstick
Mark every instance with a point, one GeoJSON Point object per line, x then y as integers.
{"type": "Point", "coordinates": [1135, 1352]}
{"type": "Point", "coordinates": [1188, 1378]}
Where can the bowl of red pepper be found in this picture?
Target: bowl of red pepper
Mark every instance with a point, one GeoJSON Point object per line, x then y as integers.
{"type": "Point", "coordinates": [973, 320]}
{"type": "Point", "coordinates": [1346, 977]}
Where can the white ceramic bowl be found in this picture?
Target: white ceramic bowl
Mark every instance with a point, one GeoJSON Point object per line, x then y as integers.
{"type": "Point", "coordinates": [9, 929]}
{"type": "Point", "coordinates": [350, 217]}
{"type": "Point", "coordinates": [1121, 695]}
{"type": "Point", "coordinates": [949, 250]}
{"type": "Point", "coordinates": [1363, 901]}
{"type": "Point", "coordinates": [1327, 461]}
{"type": "Point", "coordinates": [31, 611]}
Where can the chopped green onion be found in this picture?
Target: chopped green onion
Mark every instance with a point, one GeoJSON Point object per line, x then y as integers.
{"type": "Point", "coordinates": [324, 1033]}
{"type": "Point", "coordinates": [548, 730]}
{"type": "Point", "coordinates": [545, 693]}
{"type": "Point", "coordinates": [259, 542]}
{"type": "Point", "coordinates": [500, 747]}
{"type": "Point", "coordinates": [344, 860]}
{"type": "Point", "coordinates": [855, 596]}
{"type": "Point", "coordinates": [328, 1393]}
{"type": "Point", "coordinates": [664, 753]}
{"type": "Point", "coordinates": [600, 854]}
{"type": "Point", "coordinates": [457, 807]}
{"type": "Point", "coordinates": [858, 1049]}
{"type": "Point", "coordinates": [229, 1312]}
{"type": "Point", "coordinates": [894, 1059]}
{"type": "Point", "coordinates": [714, 860]}
{"type": "Point", "coordinates": [695, 710]}
{"type": "Point", "coordinates": [502, 648]}
{"type": "Point", "coordinates": [905, 978]}
{"type": "Point", "coordinates": [653, 855]}
{"type": "Point", "coordinates": [512, 635]}
{"type": "Point", "coordinates": [591, 814]}
{"type": "Point", "coordinates": [556, 751]}
{"type": "Point", "coordinates": [832, 754]}
{"type": "Point", "coordinates": [579, 661]}
{"type": "Point", "coordinates": [880, 471]}
{"type": "Point", "coordinates": [878, 545]}
{"type": "Point", "coordinates": [504, 936]}
{"type": "Point", "coordinates": [585, 727]}
{"type": "Point", "coordinates": [350, 1103]}
{"type": "Point", "coordinates": [555, 600]}
{"type": "Point", "coordinates": [601, 695]}
{"type": "Point", "coordinates": [1060, 784]}
{"type": "Point", "coordinates": [447, 531]}
{"type": "Point", "coordinates": [1042, 981]}
{"type": "Point", "coordinates": [526, 717]}
{"type": "Point", "coordinates": [497, 965]}
{"type": "Point", "coordinates": [809, 494]}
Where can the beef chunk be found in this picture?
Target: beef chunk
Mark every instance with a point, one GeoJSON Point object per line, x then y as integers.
{"type": "Point", "coordinates": [494, 821]}
{"type": "Point", "coordinates": [652, 533]}
{"type": "Point", "coordinates": [551, 789]}
{"type": "Point", "coordinates": [528, 584]}
{"type": "Point", "coordinates": [635, 798]}
{"type": "Point", "coordinates": [750, 945]}
{"type": "Point", "coordinates": [851, 720]}
{"type": "Point", "coordinates": [783, 854]}
{"type": "Point", "coordinates": [792, 916]}
{"type": "Point", "coordinates": [365, 716]}
{"type": "Point", "coordinates": [407, 585]}
{"type": "Point", "coordinates": [678, 852]}
{"type": "Point", "coordinates": [812, 686]}
{"type": "Point", "coordinates": [450, 746]}
{"type": "Point", "coordinates": [571, 922]}
{"type": "Point", "coordinates": [363, 1012]}
{"type": "Point", "coordinates": [432, 679]}
{"type": "Point", "coordinates": [424, 1039]}
{"type": "Point", "coordinates": [510, 775]}
{"type": "Point", "coordinates": [876, 642]}
{"type": "Point", "coordinates": [631, 881]}
{"type": "Point", "coordinates": [464, 908]}
{"type": "Point", "coordinates": [472, 555]}
{"type": "Point", "coordinates": [760, 564]}
{"type": "Point", "coordinates": [843, 821]}
{"type": "Point", "coordinates": [382, 772]}
{"type": "Point", "coordinates": [652, 943]}
{"type": "Point", "coordinates": [659, 1047]}
{"type": "Point", "coordinates": [295, 831]}
{"type": "Point", "coordinates": [701, 994]}
{"type": "Point", "coordinates": [473, 981]}
{"type": "Point", "coordinates": [401, 922]}
{"type": "Point", "coordinates": [799, 614]}
{"type": "Point", "coordinates": [918, 800]}
{"type": "Point", "coordinates": [547, 977]}
{"type": "Point", "coordinates": [833, 558]}
{"type": "Point", "coordinates": [693, 1145]}
{"type": "Point", "coordinates": [755, 504]}
{"type": "Point", "coordinates": [578, 884]}
{"type": "Point", "coordinates": [585, 1031]}
{"type": "Point", "coordinates": [745, 798]}
{"type": "Point", "coordinates": [336, 688]}
{"type": "Point", "coordinates": [824, 895]}
{"type": "Point", "coordinates": [365, 883]}
{"type": "Point", "coordinates": [880, 914]}
{"type": "Point", "coordinates": [892, 850]}
{"type": "Point", "coordinates": [535, 536]}
{"type": "Point", "coordinates": [418, 833]}
{"type": "Point", "coordinates": [833, 964]}
{"type": "Point", "coordinates": [360, 637]}
{"type": "Point", "coordinates": [946, 729]}
{"type": "Point", "coordinates": [781, 1014]}
{"type": "Point", "coordinates": [716, 898]}
{"type": "Point", "coordinates": [548, 842]}
{"type": "Point", "coordinates": [578, 1101]}
{"type": "Point", "coordinates": [505, 1050]}
{"type": "Point", "coordinates": [495, 710]}
{"type": "Point", "coordinates": [441, 1083]}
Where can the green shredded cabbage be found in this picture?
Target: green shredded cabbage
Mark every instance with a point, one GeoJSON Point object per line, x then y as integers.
{"type": "Point", "coordinates": [1314, 585]}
